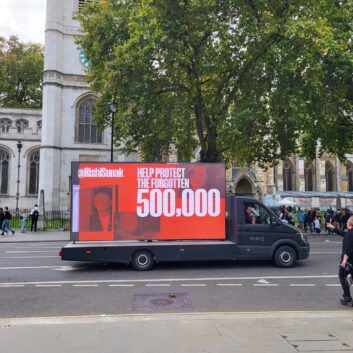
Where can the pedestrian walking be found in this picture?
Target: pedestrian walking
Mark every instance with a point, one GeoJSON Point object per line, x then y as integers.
{"type": "Point", "coordinates": [2, 218]}
{"type": "Point", "coordinates": [34, 218]}
{"type": "Point", "coordinates": [309, 221]}
{"type": "Point", "coordinates": [329, 219]}
{"type": "Point", "coordinates": [24, 221]}
{"type": "Point", "coordinates": [345, 267]}
{"type": "Point", "coordinates": [317, 225]}
{"type": "Point", "coordinates": [301, 218]}
{"type": "Point", "coordinates": [6, 222]}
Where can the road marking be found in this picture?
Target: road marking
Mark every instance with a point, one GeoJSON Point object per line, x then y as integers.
{"type": "Point", "coordinates": [193, 285]}
{"type": "Point", "coordinates": [263, 281]}
{"type": "Point", "coordinates": [172, 280]}
{"type": "Point", "coordinates": [85, 285]}
{"type": "Point", "coordinates": [121, 285]}
{"type": "Point", "coordinates": [333, 285]}
{"type": "Point", "coordinates": [27, 257]}
{"type": "Point", "coordinates": [324, 252]}
{"type": "Point", "coordinates": [265, 285]}
{"type": "Point", "coordinates": [48, 285]}
{"type": "Point", "coordinates": [11, 285]}
{"type": "Point", "coordinates": [157, 285]}
{"type": "Point", "coordinates": [39, 247]}
{"type": "Point", "coordinates": [24, 251]}
{"type": "Point", "coordinates": [302, 285]}
{"type": "Point", "coordinates": [229, 284]}
{"type": "Point", "coordinates": [28, 267]}
{"type": "Point", "coordinates": [68, 268]}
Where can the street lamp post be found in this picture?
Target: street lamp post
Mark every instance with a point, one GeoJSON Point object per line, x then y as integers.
{"type": "Point", "coordinates": [113, 108]}
{"type": "Point", "coordinates": [19, 147]}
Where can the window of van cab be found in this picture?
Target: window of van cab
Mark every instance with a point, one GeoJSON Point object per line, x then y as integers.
{"type": "Point", "coordinates": [260, 214]}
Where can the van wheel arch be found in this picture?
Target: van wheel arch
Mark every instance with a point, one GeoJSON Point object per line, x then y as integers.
{"type": "Point", "coordinates": [285, 256]}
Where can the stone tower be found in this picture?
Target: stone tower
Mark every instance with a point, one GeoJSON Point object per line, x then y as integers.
{"type": "Point", "coordinates": [68, 132]}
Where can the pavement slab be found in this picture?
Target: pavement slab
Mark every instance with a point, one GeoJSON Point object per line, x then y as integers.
{"type": "Point", "coordinates": [249, 332]}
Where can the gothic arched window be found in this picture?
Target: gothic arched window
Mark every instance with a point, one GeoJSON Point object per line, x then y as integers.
{"type": "Point", "coordinates": [5, 125]}
{"type": "Point", "coordinates": [4, 171]}
{"type": "Point", "coordinates": [309, 176]}
{"type": "Point", "coordinates": [81, 3]}
{"type": "Point", "coordinates": [350, 176]}
{"type": "Point", "coordinates": [86, 127]}
{"type": "Point", "coordinates": [33, 180]}
{"type": "Point", "coordinates": [21, 124]}
{"type": "Point", "coordinates": [288, 179]}
{"type": "Point", "coordinates": [329, 175]}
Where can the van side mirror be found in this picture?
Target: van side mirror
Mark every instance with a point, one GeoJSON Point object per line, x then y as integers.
{"type": "Point", "coordinates": [275, 222]}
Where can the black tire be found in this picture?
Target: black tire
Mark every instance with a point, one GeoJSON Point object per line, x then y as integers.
{"type": "Point", "coordinates": [285, 256]}
{"type": "Point", "coordinates": [142, 260]}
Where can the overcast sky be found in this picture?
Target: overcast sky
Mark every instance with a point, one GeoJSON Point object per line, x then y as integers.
{"type": "Point", "coordinates": [24, 18]}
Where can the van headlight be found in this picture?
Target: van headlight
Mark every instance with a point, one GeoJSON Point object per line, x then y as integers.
{"type": "Point", "coordinates": [303, 237]}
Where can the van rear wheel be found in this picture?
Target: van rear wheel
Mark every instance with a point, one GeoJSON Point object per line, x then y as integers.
{"type": "Point", "coordinates": [285, 256]}
{"type": "Point", "coordinates": [142, 260]}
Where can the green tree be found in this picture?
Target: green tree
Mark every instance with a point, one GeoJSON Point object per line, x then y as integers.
{"type": "Point", "coordinates": [21, 74]}
{"type": "Point", "coordinates": [251, 80]}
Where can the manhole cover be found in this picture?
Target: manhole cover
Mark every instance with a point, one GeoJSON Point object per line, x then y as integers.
{"type": "Point", "coordinates": [162, 302]}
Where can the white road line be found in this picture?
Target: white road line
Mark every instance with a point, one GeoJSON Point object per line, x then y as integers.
{"type": "Point", "coordinates": [30, 268]}
{"type": "Point", "coordinates": [173, 280]}
{"type": "Point", "coordinates": [8, 285]}
{"type": "Point", "coordinates": [324, 252]}
{"type": "Point", "coordinates": [28, 257]}
{"type": "Point", "coordinates": [25, 252]}
{"type": "Point", "coordinates": [39, 247]}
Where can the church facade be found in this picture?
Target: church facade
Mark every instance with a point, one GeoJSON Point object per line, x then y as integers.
{"type": "Point", "coordinates": [64, 131]}
{"type": "Point", "coordinates": [69, 133]}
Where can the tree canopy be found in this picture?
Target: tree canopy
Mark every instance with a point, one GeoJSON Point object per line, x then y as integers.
{"type": "Point", "coordinates": [21, 74]}
{"type": "Point", "coordinates": [245, 80]}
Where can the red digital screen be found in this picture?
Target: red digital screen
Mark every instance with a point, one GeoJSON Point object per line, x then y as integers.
{"type": "Point", "coordinates": [142, 201]}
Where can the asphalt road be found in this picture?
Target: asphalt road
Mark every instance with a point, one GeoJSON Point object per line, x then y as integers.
{"type": "Point", "coordinates": [34, 282]}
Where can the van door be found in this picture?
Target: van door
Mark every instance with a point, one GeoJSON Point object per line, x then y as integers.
{"type": "Point", "coordinates": [255, 231]}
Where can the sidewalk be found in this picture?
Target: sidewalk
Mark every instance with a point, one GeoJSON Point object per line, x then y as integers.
{"type": "Point", "coordinates": [52, 235]}
{"type": "Point", "coordinates": [282, 332]}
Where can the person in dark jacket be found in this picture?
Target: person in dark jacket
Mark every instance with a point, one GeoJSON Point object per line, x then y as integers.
{"type": "Point", "coordinates": [309, 221]}
{"type": "Point", "coordinates": [34, 218]}
{"type": "Point", "coordinates": [6, 222]}
{"type": "Point", "coordinates": [346, 258]}
{"type": "Point", "coordinates": [2, 218]}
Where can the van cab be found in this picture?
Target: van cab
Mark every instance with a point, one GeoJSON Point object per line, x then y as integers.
{"type": "Point", "coordinates": [266, 236]}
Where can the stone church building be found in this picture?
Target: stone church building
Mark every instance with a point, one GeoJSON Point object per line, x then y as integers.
{"type": "Point", "coordinates": [64, 131]}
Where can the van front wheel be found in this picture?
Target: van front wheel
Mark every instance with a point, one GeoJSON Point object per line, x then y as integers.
{"type": "Point", "coordinates": [285, 256]}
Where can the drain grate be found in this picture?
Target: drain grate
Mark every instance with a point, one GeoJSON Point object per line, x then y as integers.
{"type": "Point", "coordinates": [162, 302]}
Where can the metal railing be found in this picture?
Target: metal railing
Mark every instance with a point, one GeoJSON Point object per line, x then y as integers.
{"type": "Point", "coordinates": [50, 220]}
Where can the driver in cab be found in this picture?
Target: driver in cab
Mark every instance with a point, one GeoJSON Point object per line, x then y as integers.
{"type": "Point", "coordinates": [249, 215]}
